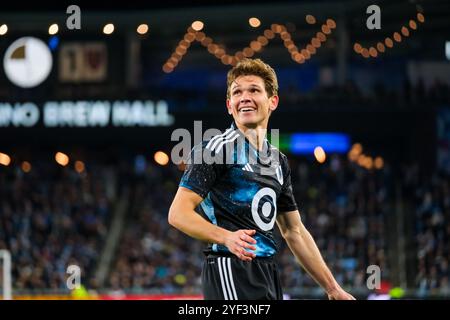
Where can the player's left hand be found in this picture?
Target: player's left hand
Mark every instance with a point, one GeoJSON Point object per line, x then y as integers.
{"type": "Point", "coordinates": [339, 294]}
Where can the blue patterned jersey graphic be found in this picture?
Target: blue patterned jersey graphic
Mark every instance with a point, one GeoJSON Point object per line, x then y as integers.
{"type": "Point", "coordinates": [241, 187]}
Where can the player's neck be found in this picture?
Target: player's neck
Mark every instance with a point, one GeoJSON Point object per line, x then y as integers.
{"type": "Point", "coordinates": [254, 134]}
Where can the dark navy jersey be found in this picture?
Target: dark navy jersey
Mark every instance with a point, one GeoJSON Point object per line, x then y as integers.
{"type": "Point", "coordinates": [241, 187]}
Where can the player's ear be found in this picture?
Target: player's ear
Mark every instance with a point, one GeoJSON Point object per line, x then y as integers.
{"type": "Point", "coordinates": [230, 110]}
{"type": "Point", "coordinates": [273, 102]}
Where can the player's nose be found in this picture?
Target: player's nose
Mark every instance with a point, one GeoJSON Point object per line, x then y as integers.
{"type": "Point", "coordinates": [245, 98]}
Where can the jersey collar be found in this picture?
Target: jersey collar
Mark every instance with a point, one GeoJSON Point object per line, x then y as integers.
{"type": "Point", "coordinates": [266, 146]}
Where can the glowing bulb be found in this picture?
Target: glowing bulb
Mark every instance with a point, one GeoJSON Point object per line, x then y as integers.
{"type": "Point", "coordinates": [321, 36]}
{"type": "Point", "coordinates": [53, 29]}
{"type": "Point", "coordinates": [142, 29]}
{"type": "Point", "coordinates": [167, 69]}
{"type": "Point", "coordinates": [79, 166]}
{"type": "Point", "coordinates": [357, 148]}
{"type": "Point", "coordinates": [310, 19]}
{"type": "Point", "coordinates": [388, 42]}
{"type": "Point", "coordinates": [379, 163]}
{"type": "Point", "coordinates": [5, 159]}
{"type": "Point", "coordinates": [421, 17]}
{"type": "Point", "coordinates": [3, 29]}
{"type": "Point", "coordinates": [405, 31]}
{"type": "Point", "coordinates": [62, 159]}
{"type": "Point", "coordinates": [326, 29]}
{"type": "Point", "coordinates": [197, 25]}
{"type": "Point", "coordinates": [161, 158]}
{"type": "Point", "coordinates": [320, 155]}
{"type": "Point", "coordinates": [365, 53]}
{"type": "Point", "coordinates": [412, 24]}
{"type": "Point", "coordinates": [380, 47]}
{"type": "Point", "coordinates": [331, 23]}
{"type": "Point", "coordinates": [26, 166]}
{"type": "Point", "coordinates": [254, 22]}
{"type": "Point", "coordinates": [108, 29]}
{"type": "Point", "coordinates": [269, 34]}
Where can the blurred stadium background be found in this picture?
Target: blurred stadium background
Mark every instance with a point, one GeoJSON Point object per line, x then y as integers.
{"type": "Point", "coordinates": [85, 171]}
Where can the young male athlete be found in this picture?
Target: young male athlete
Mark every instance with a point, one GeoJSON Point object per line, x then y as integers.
{"type": "Point", "coordinates": [241, 185]}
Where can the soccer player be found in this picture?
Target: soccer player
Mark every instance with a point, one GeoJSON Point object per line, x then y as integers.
{"type": "Point", "coordinates": [240, 185]}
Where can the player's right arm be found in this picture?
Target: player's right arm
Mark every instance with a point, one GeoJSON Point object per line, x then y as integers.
{"type": "Point", "coordinates": [182, 215]}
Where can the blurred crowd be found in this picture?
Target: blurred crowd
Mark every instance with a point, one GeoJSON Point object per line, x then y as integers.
{"type": "Point", "coordinates": [430, 199]}
{"type": "Point", "coordinates": [344, 207]}
{"type": "Point", "coordinates": [52, 217]}
{"type": "Point", "coordinates": [152, 256]}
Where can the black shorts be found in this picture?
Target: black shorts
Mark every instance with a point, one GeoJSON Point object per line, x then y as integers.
{"type": "Point", "coordinates": [229, 278]}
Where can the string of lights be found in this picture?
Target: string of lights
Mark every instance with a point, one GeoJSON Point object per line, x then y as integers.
{"type": "Point", "coordinates": [300, 56]}
{"type": "Point", "coordinates": [375, 50]}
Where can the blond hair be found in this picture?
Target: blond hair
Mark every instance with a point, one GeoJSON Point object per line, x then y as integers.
{"type": "Point", "coordinates": [254, 67]}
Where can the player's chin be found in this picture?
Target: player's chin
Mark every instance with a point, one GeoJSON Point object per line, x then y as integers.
{"type": "Point", "coordinates": [248, 120]}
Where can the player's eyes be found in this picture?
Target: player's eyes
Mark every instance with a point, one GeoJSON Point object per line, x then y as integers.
{"type": "Point", "coordinates": [237, 92]}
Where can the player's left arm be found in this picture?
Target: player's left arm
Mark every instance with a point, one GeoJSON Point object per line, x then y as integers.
{"type": "Point", "coordinates": [308, 255]}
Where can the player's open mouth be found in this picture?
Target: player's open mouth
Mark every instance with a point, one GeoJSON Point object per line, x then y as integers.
{"type": "Point", "coordinates": [246, 110]}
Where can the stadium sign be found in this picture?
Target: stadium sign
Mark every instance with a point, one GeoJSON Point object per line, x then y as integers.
{"type": "Point", "coordinates": [86, 114]}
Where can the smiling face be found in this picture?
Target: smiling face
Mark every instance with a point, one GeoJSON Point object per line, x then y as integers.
{"type": "Point", "coordinates": [249, 103]}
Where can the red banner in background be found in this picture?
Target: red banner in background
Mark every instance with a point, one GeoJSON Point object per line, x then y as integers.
{"type": "Point", "coordinates": [149, 297]}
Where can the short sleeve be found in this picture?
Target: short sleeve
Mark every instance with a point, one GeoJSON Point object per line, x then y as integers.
{"type": "Point", "coordinates": [200, 175]}
{"type": "Point", "coordinates": [286, 201]}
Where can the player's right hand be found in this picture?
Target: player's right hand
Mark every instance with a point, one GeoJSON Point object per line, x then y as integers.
{"type": "Point", "coordinates": [237, 242]}
{"type": "Point", "coordinates": [339, 294]}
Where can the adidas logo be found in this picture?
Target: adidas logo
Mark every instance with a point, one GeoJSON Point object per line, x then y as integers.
{"type": "Point", "coordinates": [217, 142]}
{"type": "Point", "coordinates": [247, 167]}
